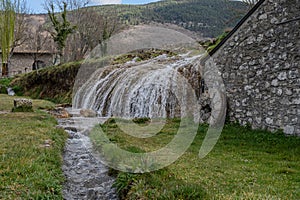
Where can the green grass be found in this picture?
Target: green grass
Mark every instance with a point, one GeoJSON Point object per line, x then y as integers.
{"type": "Point", "coordinates": [53, 83]}
{"type": "Point", "coordinates": [29, 170]}
{"type": "Point", "coordinates": [245, 164]}
{"type": "Point", "coordinates": [7, 103]}
{"type": "Point", "coordinates": [141, 55]}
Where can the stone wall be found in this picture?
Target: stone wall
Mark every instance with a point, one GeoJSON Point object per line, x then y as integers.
{"type": "Point", "coordinates": [260, 65]}
{"type": "Point", "coordinates": [22, 62]}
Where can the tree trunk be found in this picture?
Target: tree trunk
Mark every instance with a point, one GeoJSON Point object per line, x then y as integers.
{"type": "Point", "coordinates": [4, 69]}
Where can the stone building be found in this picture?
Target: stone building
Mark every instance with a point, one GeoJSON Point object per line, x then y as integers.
{"type": "Point", "coordinates": [260, 64]}
{"type": "Point", "coordinates": [24, 61]}
{"type": "Point", "coordinates": [37, 49]}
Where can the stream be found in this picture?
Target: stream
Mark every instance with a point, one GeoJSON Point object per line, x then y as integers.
{"type": "Point", "coordinates": [86, 176]}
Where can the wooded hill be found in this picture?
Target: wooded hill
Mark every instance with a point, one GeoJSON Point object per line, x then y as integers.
{"type": "Point", "coordinates": [207, 17]}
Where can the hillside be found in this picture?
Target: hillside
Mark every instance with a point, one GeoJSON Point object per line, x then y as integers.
{"type": "Point", "coordinates": [209, 18]}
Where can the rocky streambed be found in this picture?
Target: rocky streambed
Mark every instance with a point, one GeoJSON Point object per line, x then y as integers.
{"type": "Point", "coordinates": [86, 176]}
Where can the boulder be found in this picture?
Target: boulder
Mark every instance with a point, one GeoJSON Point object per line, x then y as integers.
{"type": "Point", "coordinates": [59, 112]}
{"type": "Point", "coordinates": [22, 105]}
{"type": "Point", "coordinates": [88, 113]}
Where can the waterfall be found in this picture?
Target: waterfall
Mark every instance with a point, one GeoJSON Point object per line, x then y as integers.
{"type": "Point", "coordinates": [159, 87]}
{"type": "Point", "coordinates": [155, 88]}
{"type": "Point", "coordinates": [162, 86]}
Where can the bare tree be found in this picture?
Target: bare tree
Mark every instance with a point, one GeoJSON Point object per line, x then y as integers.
{"type": "Point", "coordinates": [62, 26]}
{"type": "Point", "coordinates": [92, 29]}
{"type": "Point", "coordinates": [40, 42]}
{"type": "Point", "coordinates": [21, 25]}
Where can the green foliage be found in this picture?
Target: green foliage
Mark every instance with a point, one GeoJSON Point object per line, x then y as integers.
{"type": "Point", "coordinates": [28, 169]}
{"type": "Point", "coordinates": [183, 191]}
{"type": "Point", "coordinates": [52, 83]}
{"type": "Point", "coordinates": [7, 26]}
{"type": "Point", "coordinates": [207, 17]}
{"type": "Point", "coordinates": [18, 90]}
{"type": "Point", "coordinates": [161, 184]}
{"type": "Point", "coordinates": [4, 84]}
{"type": "Point", "coordinates": [7, 103]}
{"type": "Point", "coordinates": [141, 55]}
{"type": "Point", "coordinates": [5, 81]}
{"type": "Point", "coordinates": [211, 44]}
{"type": "Point", "coordinates": [62, 28]}
{"type": "Point", "coordinates": [124, 182]}
{"type": "Point", "coordinates": [141, 120]}
{"type": "Point", "coordinates": [22, 109]}
{"type": "Point", "coordinates": [244, 164]}
{"type": "Point", "coordinates": [3, 89]}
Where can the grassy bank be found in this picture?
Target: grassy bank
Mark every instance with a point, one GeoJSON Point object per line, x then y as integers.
{"type": "Point", "coordinates": [52, 83]}
{"type": "Point", "coordinates": [245, 164]}
{"type": "Point", "coordinates": [28, 168]}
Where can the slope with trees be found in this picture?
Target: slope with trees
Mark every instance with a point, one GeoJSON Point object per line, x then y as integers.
{"type": "Point", "coordinates": [207, 17]}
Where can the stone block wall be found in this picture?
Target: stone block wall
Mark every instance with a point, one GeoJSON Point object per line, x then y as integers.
{"type": "Point", "coordinates": [22, 62]}
{"type": "Point", "coordinates": [260, 65]}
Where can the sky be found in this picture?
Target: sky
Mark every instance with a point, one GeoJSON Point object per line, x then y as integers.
{"type": "Point", "coordinates": [36, 5]}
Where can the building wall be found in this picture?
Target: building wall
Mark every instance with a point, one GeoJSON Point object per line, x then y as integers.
{"type": "Point", "coordinates": [260, 65]}
{"type": "Point", "coordinates": [22, 62]}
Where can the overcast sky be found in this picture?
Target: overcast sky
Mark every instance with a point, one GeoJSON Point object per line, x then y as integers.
{"type": "Point", "coordinates": [36, 5]}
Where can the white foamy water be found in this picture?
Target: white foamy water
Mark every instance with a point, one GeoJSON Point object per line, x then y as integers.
{"type": "Point", "coordinates": [159, 87]}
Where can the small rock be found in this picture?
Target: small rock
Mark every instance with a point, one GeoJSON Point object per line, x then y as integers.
{"type": "Point", "coordinates": [296, 101]}
{"type": "Point", "coordinates": [10, 92]}
{"type": "Point", "coordinates": [59, 112]}
{"type": "Point", "coordinates": [289, 130]}
{"type": "Point", "coordinates": [263, 16]}
{"type": "Point", "coordinates": [274, 82]}
{"type": "Point", "coordinates": [279, 92]}
{"type": "Point", "coordinates": [282, 76]}
{"type": "Point", "coordinates": [47, 144]}
{"type": "Point", "coordinates": [288, 92]}
{"type": "Point", "coordinates": [88, 113]}
{"type": "Point", "coordinates": [64, 105]}
{"type": "Point", "coordinates": [269, 121]}
{"type": "Point", "coordinates": [258, 120]}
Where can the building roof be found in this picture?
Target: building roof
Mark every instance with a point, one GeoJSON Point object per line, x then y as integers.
{"type": "Point", "coordinates": [34, 37]}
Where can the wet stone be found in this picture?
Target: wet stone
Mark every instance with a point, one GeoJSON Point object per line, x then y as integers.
{"type": "Point", "coordinates": [86, 177]}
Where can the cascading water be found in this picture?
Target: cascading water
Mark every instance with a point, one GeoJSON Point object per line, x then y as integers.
{"type": "Point", "coordinates": [151, 88]}
{"type": "Point", "coordinates": [160, 86]}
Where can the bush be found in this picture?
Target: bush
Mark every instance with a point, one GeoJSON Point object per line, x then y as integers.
{"type": "Point", "coordinates": [18, 90]}
{"type": "Point", "coordinates": [3, 89]}
{"type": "Point", "coordinates": [4, 84]}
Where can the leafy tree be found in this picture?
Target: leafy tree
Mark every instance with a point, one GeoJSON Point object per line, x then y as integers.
{"type": "Point", "coordinates": [12, 29]}
{"type": "Point", "coordinates": [7, 26]}
{"type": "Point", "coordinates": [63, 27]}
